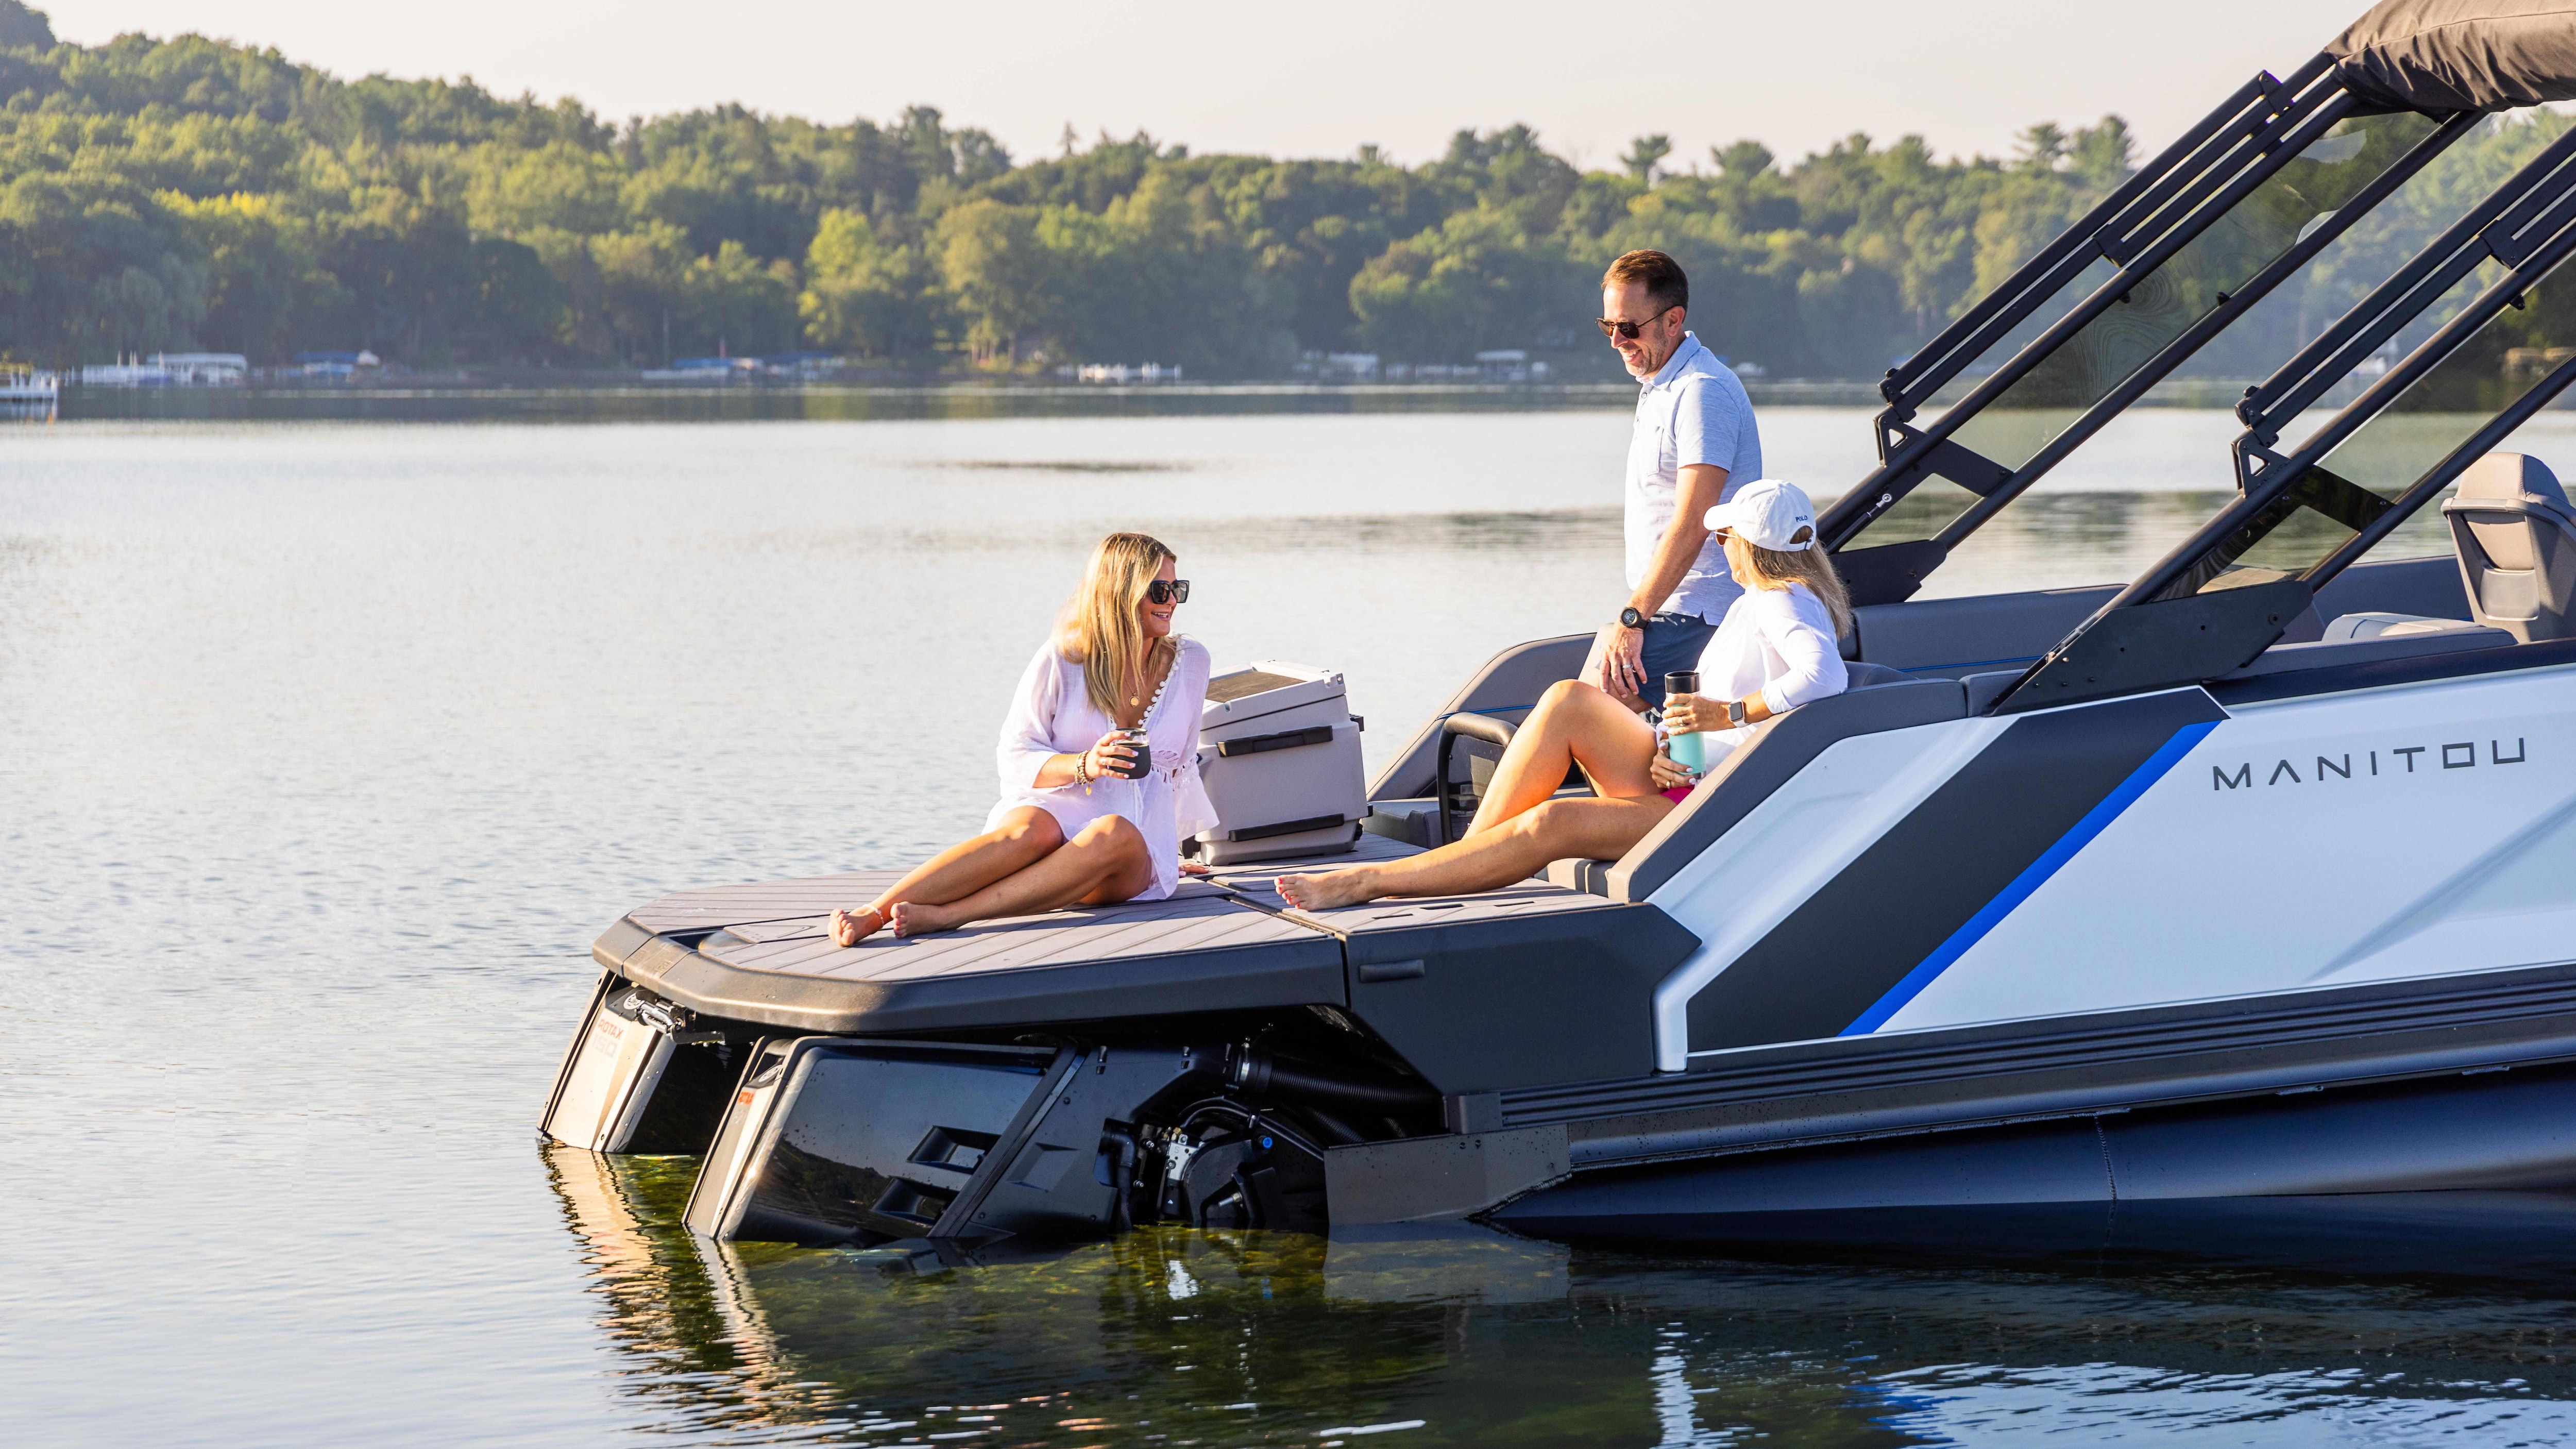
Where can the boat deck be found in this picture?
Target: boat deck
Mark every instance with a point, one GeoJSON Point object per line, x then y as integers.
{"type": "Point", "coordinates": [1226, 941]}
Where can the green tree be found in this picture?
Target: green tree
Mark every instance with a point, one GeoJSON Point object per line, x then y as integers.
{"type": "Point", "coordinates": [734, 303]}
{"type": "Point", "coordinates": [264, 283]}
{"type": "Point", "coordinates": [2103, 154]}
{"type": "Point", "coordinates": [865, 297]}
{"type": "Point", "coordinates": [2042, 146]}
{"type": "Point", "coordinates": [1645, 154]}
{"type": "Point", "coordinates": [1478, 281]}
{"type": "Point", "coordinates": [22, 27]}
{"type": "Point", "coordinates": [1003, 277]}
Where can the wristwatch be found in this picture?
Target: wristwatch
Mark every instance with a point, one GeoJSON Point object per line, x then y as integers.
{"type": "Point", "coordinates": [1629, 618]}
{"type": "Point", "coordinates": [1735, 712]}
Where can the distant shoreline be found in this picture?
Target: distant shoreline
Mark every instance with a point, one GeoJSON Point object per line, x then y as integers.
{"type": "Point", "coordinates": [467, 397]}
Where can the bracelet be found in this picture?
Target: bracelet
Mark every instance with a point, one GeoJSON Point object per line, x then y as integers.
{"type": "Point", "coordinates": [1082, 767]}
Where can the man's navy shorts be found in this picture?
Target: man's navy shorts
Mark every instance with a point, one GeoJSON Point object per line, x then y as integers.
{"type": "Point", "coordinates": [1673, 643]}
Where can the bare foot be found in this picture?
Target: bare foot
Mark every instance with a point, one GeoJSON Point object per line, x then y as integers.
{"type": "Point", "coordinates": [911, 918]}
{"type": "Point", "coordinates": [849, 927]}
{"type": "Point", "coordinates": [1323, 892]}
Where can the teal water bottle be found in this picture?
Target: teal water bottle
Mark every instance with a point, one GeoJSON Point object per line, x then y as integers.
{"type": "Point", "coordinates": [1685, 749]}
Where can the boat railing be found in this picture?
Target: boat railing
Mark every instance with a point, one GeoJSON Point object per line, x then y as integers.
{"type": "Point", "coordinates": [2145, 280]}
{"type": "Point", "coordinates": [2227, 592]}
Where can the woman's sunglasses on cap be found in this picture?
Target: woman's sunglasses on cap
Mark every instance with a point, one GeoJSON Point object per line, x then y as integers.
{"type": "Point", "coordinates": [1628, 330]}
{"type": "Point", "coordinates": [1168, 591]}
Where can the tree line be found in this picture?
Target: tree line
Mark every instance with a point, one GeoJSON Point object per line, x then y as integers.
{"type": "Point", "coordinates": [188, 194]}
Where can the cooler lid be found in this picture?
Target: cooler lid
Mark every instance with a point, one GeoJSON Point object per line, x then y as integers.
{"type": "Point", "coordinates": [1268, 687]}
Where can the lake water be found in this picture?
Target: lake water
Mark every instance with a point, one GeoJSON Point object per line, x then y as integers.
{"type": "Point", "coordinates": [325, 750]}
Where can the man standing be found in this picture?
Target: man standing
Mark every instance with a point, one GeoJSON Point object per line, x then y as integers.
{"type": "Point", "coordinates": [1693, 441]}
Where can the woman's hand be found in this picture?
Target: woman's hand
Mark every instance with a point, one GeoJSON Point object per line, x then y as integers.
{"type": "Point", "coordinates": [1690, 714]}
{"type": "Point", "coordinates": [1109, 756]}
{"type": "Point", "coordinates": [1670, 774]}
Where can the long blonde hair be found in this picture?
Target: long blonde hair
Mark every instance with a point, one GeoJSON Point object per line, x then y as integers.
{"type": "Point", "coordinates": [1757, 567]}
{"type": "Point", "coordinates": [1099, 630]}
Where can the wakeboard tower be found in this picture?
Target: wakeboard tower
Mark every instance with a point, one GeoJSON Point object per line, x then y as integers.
{"type": "Point", "coordinates": [2253, 878]}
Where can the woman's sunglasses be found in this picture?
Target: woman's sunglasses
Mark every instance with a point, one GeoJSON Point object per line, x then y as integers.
{"type": "Point", "coordinates": [1168, 591]}
{"type": "Point", "coordinates": [1626, 330]}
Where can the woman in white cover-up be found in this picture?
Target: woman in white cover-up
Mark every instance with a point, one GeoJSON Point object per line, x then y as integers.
{"type": "Point", "coordinates": [1071, 828]}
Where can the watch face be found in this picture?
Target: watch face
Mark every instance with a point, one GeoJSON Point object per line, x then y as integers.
{"type": "Point", "coordinates": [1630, 618]}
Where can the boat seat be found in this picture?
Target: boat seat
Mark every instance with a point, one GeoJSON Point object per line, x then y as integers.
{"type": "Point", "coordinates": [1861, 675]}
{"type": "Point", "coordinates": [2327, 653]}
{"type": "Point", "coordinates": [2345, 628]}
{"type": "Point", "coordinates": [1984, 689]}
{"type": "Point", "coordinates": [2516, 536]}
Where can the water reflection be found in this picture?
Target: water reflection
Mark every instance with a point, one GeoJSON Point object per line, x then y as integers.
{"type": "Point", "coordinates": [1466, 1338]}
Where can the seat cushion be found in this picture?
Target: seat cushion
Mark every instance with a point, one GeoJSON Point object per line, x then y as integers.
{"type": "Point", "coordinates": [2348, 627]}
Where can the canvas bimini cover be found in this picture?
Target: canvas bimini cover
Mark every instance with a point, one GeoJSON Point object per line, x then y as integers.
{"type": "Point", "coordinates": [2460, 55]}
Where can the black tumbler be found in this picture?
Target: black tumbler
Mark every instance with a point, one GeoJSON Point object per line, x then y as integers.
{"type": "Point", "coordinates": [1143, 764]}
{"type": "Point", "coordinates": [1681, 681]}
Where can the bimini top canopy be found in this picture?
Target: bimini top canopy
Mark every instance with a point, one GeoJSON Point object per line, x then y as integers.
{"type": "Point", "coordinates": [2460, 55]}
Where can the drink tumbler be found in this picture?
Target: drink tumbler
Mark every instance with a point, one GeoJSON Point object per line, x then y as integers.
{"type": "Point", "coordinates": [1143, 765]}
{"type": "Point", "coordinates": [1685, 749]}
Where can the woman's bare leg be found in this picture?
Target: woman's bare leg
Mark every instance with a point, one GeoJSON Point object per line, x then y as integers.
{"type": "Point", "coordinates": [1026, 836]}
{"type": "Point", "coordinates": [1105, 861]}
{"type": "Point", "coordinates": [1574, 723]}
{"type": "Point", "coordinates": [1514, 850]}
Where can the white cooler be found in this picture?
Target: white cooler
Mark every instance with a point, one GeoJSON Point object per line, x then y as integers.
{"type": "Point", "coordinates": [1280, 755]}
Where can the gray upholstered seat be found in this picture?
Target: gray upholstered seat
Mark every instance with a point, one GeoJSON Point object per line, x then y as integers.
{"type": "Point", "coordinates": [2516, 536]}
{"type": "Point", "coordinates": [2347, 628]}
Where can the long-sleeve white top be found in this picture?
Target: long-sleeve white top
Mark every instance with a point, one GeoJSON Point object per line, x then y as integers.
{"type": "Point", "coordinates": [1052, 714]}
{"type": "Point", "coordinates": [1778, 641]}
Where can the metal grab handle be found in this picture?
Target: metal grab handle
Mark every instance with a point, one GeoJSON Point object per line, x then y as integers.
{"type": "Point", "coordinates": [1474, 726]}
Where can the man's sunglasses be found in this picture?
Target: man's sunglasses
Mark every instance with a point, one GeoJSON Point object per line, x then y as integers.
{"type": "Point", "coordinates": [1168, 591]}
{"type": "Point", "coordinates": [1627, 330]}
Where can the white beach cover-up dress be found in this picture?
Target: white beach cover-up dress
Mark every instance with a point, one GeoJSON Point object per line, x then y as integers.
{"type": "Point", "coordinates": [1053, 715]}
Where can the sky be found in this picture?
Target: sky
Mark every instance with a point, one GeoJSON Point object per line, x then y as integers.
{"type": "Point", "coordinates": [1323, 77]}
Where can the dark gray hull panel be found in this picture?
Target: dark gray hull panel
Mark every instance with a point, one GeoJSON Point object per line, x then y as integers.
{"type": "Point", "coordinates": [2059, 1184]}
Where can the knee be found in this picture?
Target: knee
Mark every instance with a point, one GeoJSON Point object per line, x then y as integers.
{"type": "Point", "coordinates": [1031, 828]}
{"type": "Point", "coordinates": [1541, 819]}
{"type": "Point", "coordinates": [1563, 693]}
{"type": "Point", "coordinates": [1112, 833]}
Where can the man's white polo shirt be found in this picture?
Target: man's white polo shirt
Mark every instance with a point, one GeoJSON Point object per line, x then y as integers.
{"type": "Point", "coordinates": [1691, 412]}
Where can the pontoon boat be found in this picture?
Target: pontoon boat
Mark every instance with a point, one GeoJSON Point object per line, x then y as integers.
{"type": "Point", "coordinates": [2252, 878]}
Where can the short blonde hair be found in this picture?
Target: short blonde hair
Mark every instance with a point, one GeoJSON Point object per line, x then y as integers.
{"type": "Point", "coordinates": [1099, 630]}
{"type": "Point", "coordinates": [1757, 567]}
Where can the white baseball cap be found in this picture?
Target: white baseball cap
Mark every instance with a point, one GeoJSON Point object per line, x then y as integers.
{"type": "Point", "coordinates": [1767, 513]}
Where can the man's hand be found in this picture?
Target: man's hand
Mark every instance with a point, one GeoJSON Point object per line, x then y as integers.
{"type": "Point", "coordinates": [1623, 661]}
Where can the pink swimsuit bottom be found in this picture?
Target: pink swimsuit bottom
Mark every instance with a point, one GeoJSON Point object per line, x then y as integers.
{"type": "Point", "coordinates": [1679, 793]}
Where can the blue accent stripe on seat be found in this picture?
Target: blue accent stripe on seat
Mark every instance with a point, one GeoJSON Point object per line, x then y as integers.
{"type": "Point", "coordinates": [2033, 876]}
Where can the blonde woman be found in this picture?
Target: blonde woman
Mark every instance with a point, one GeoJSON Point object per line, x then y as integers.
{"type": "Point", "coordinates": [1774, 651]}
{"type": "Point", "coordinates": [1071, 827]}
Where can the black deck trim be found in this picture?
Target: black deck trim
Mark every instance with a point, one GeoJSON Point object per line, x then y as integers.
{"type": "Point", "coordinates": [1859, 1086]}
{"type": "Point", "coordinates": [1845, 946]}
{"type": "Point", "coordinates": [1780, 749]}
{"type": "Point", "coordinates": [2377, 674]}
{"type": "Point", "coordinates": [1509, 1001]}
{"type": "Point", "coordinates": [1275, 973]}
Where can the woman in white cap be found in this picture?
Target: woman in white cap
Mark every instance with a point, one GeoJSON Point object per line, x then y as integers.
{"type": "Point", "coordinates": [1099, 763]}
{"type": "Point", "coordinates": [1774, 651]}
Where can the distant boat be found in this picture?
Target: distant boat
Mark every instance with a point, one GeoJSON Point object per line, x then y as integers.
{"type": "Point", "coordinates": [171, 369]}
{"type": "Point", "coordinates": [24, 385]}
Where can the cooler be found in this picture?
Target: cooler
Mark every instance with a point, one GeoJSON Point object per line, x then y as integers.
{"type": "Point", "coordinates": [1280, 755]}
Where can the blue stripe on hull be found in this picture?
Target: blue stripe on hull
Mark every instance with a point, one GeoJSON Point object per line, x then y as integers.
{"type": "Point", "coordinates": [2034, 876]}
